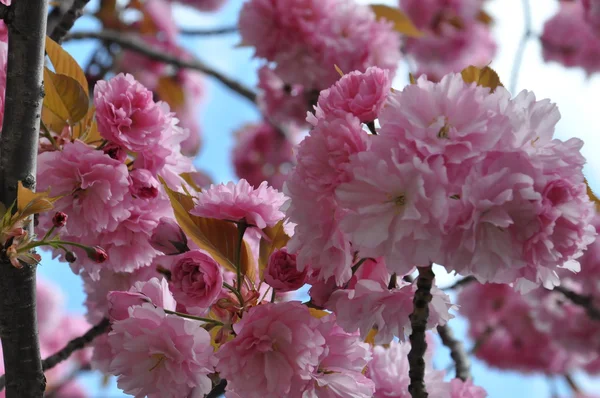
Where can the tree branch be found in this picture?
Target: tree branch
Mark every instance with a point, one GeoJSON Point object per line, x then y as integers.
{"type": "Point", "coordinates": [66, 22]}
{"type": "Point", "coordinates": [514, 75]}
{"type": "Point", "coordinates": [76, 344]}
{"type": "Point", "coordinates": [135, 44]}
{"type": "Point", "coordinates": [418, 321]}
{"type": "Point", "coordinates": [461, 282]}
{"type": "Point", "coordinates": [217, 390]}
{"type": "Point", "coordinates": [208, 32]}
{"type": "Point", "coordinates": [585, 302]}
{"type": "Point", "coordinates": [18, 154]}
{"type": "Point", "coordinates": [457, 352]}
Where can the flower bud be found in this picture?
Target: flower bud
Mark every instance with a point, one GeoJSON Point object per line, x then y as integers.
{"type": "Point", "coordinates": [281, 272]}
{"type": "Point", "coordinates": [196, 280]}
{"type": "Point", "coordinates": [70, 257]}
{"type": "Point", "coordinates": [96, 254]}
{"type": "Point", "coordinates": [59, 219]}
{"type": "Point", "coordinates": [143, 184]}
{"type": "Point", "coordinates": [168, 237]}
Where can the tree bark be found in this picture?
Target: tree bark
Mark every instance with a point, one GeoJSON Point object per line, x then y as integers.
{"type": "Point", "coordinates": [26, 21]}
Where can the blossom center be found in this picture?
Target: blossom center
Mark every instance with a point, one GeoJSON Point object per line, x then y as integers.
{"type": "Point", "coordinates": [160, 358]}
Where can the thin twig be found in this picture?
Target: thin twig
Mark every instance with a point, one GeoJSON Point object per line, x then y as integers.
{"type": "Point", "coordinates": [514, 75]}
{"type": "Point", "coordinates": [67, 21]}
{"type": "Point", "coordinates": [207, 32]}
{"type": "Point", "coordinates": [571, 382]}
{"type": "Point", "coordinates": [461, 282]}
{"type": "Point", "coordinates": [457, 352]}
{"type": "Point", "coordinates": [418, 321]}
{"type": "Point", "coordinates": [585, 302]}
{"type": "Point", "coordinates": [135, 44]}
{"type": "Point", "coordinates": [218, 390]}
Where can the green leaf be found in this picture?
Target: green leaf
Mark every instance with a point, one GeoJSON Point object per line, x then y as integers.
{"type": "Point", "coordinates": [402, 22]}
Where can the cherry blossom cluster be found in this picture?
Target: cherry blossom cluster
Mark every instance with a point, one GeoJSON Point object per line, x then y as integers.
{"type": "Point", "coordinates": [572, 36]}
{"type": "Point", "coordinates": [458, 174]}
{"type": "Point", "coordinates": [542, 331]}
{"type": "Point", "coordinates": [456, 35]}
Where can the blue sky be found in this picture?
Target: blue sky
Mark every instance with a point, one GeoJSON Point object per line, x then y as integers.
{"type": "Point", "coordinates": [224, 112]}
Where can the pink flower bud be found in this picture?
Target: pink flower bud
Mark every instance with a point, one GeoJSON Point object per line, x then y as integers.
{"type": "Point", "coordinates": [196, 281]}
{"type": "Point", "coordinates": [119, 303]}
{"type": "Point", "coordinates": [143, 184]}
{"type": "Point", "coordinates": [70, 257]}
{"type": "Point", "coordinates": [115, 151]}
{"type": "Point", "coordinates": [168, 237]}
{"type": "Point", "coordinates": [281, 272]}
{"type": "Point", "coordinates": [59, 219]}
{"type": "Point", "coordinates": [96, 254]}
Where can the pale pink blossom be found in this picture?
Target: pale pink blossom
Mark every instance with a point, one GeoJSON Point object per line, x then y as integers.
{"type": "Point", "coordinates": [196, 281]}
{"type": "Point", "coordinates": [466, 389]}
{"type": "Point", "coordinates": [49, 308]}
{"type": "Point", "coordinates": [153, 291]}
{"type": "Point", "coordinates": [259, 207]}
{"type": "Point", "coordinates": [372, 305]}
{"type": "Point", "coordinates": [357, 93]}
{"type": "Point", "coordinates": [281, 272]}
{"type": "Point", "coordinates": [394, 206]}
{"type": "Point", "coordinates": [160, 355]}
{"type": "Point", "coordinates": [95, 187]}
{"type": "Point", "coordinates": [389, 371]}
{"type": "Point", "coordinates": [168, 237]}
{"type": "Point", "coordinates": [262, 153]}
{"type": "Point", "coordinates": [276, 349]}
{"type": "Point", "coordinates": [159, 13]}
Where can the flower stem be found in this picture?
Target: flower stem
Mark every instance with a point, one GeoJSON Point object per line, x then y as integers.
{"type": "Point", "coordinates": [195, 318]}
{"type": "Point", "coordinates": [234, 291]}
{"type": "Point", "coordinates": [242, 226]}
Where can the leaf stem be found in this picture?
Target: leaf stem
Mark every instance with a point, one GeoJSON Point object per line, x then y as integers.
{"type": "Point", "coordinates": [195, 318]}
{"type": "Point", "coordinates": [242, 226]}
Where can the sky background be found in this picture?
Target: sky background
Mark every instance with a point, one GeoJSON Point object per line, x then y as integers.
{"type": "Point", "coordinates": [223, 112]}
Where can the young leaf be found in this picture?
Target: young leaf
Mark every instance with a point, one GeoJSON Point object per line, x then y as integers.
{"type": "Point", "coordinates": [50, 119]}
{"type": "Point", "coordinates": [277, 238]}
{"type": "Point", "coordinates": [338, 70]}
{"type": "Point", "coordinates": [412, 79]}
{"type": "Point", "coordinates": [170, 91]}
{"type": "Point", "coordinates": [217, 237]}
{"type": "Point", "coordinates": [402, 22]}
{"type": "Point", "coordinates": [187, 177]}
{"type": "Point", "coordinates": [62, 89]}
{"type": "Point", "coordinates": [485, 77]}
{"type": "Point", "coordinates": [64, 64]}
{"type": "Point", "coordinates": [29, 202]}
{"type": "Point", "coordinates": [592, 195]}
{"type": "Point", "coordinates": [81, 128]}
{"type": "Point", "coordinates": [317, 313]}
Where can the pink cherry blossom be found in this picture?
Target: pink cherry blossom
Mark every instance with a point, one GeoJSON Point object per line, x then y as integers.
{"type": "Point", "coordinates": [143, 184]}
{"type": "Point", "coordinates": [360, 94]}
{"type": "Point", "coordinates": [94, 186]}
{"type": "Point", "coordinates": [370, 304]}
{"type": "Point", "coordinates": [279, 102]}
{"type": "Point", "coordinates": [168, 237]}
{"type": "Point", "coordinates": [259, 207]}
{"type": "Point", "coordinates": [466, 389]}
{"type": "Point", "coordinates": [159, 13]}
{"type": "Point", "coordinates": [282, 273]}
{"type": "Point", "coordinates": [262, 153]}
{"type": "Point", "coordinates": [393, 208]}
{"type": "Point", "coordinates": [389, 371]}
{"type": "Point", "coordinates": [592, 13]}
{"type": "Point", "coordinates": [50, 302]}
{"type": "Point", "coordinates": [126, 113]}
{"type": "Point", "coordinates": [196, 281]}
{"type": "Point", "coordinates": [153, 291]}
{"type": "Point", "coordinates": [204, 5]}
{"type": "Point", "coordinates": [159, 355]}
{"type": "Point", "coordinates": [276, 350]}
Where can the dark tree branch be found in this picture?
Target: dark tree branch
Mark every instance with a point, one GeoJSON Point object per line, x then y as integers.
{"type": "Point", "coordinates": [217, 390]}
{"type": "Point", "coordinates": [134, 44]}
{"type": "Point", "coordinates": [418, 321]}
{"type": "Point", "coordinates": [76, 344]}
{"type": "Point", "coordinates": [26, 22]}
{"type": "Point", "coordinates": [66, 22]}
{"type": "Point", "coordinates": [461, 282]}
{"type": "Point", "coordinates": [208, 32]}
{"type": "Point", "coordinates": [586, 302]}
{"type": "Point", "coordinates": [514, 75]}
{"type": "Point", "coordinates": [457, 352]}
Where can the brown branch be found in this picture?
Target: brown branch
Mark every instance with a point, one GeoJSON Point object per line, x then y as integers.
{"type": "Point", "coordinates": [461, 282]}
{"type": "Point", "coordinates": [135, 44]}
{"type": "Point", "coordinates": [586, 302]}
{"type": "Point", "coordinates": [217, 390]}
{"type": "Point", "coordinates": [66, 22]}
{"type": "Point", "coordinates": [26, 23]}
{"type": "Point", "coordinates": [457, 352]}
{"type": "Point", "coordinates": [76, 344]}
{"type": "Point", "coordinates": [208, 32]}
{"type": "Point", "coordinates": [418, 321]}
